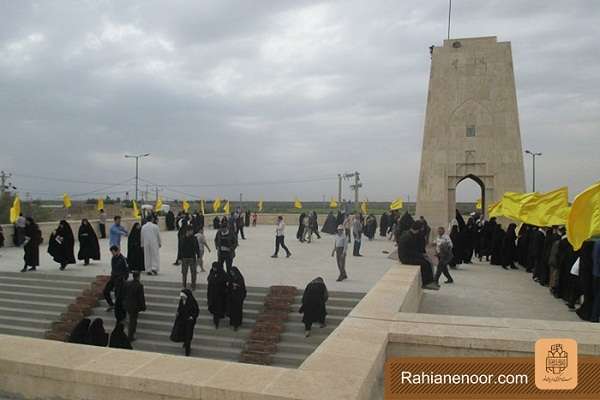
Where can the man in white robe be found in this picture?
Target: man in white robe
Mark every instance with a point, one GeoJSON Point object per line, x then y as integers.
{"type": "Point", "coordinates": [150, 238]}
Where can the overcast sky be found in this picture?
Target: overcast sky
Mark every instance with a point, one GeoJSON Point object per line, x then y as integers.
{"type": "Point", "coordinates": [223, 92]}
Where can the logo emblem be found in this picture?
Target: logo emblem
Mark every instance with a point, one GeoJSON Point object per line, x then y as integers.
{"type": "Point", "coordinates": [556, 364]}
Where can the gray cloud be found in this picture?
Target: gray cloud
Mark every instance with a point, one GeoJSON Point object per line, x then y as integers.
{"type": "Point", "coordinates": [239, 91]}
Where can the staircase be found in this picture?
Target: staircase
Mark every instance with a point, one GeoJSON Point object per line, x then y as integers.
{"type": "Point", "coordinates": [155, 324]}
{"type": "Point", "coordinates": [294, 347]}
{"type": "Point", "coordinates": [31, 301]}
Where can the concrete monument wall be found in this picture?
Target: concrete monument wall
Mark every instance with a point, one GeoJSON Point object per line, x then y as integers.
{"type": "Point", "coordinates": [471, 126]}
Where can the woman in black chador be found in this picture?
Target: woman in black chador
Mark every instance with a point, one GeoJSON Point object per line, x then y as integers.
{"type": "Point", "coordinates": [170, 221]}
{"type": "Point", "coordinates": [97, 336]}
{"type": "Point", "coordinates": [89, 249]}
{"type": "Point", "coordinates": [80, 332]}
{"type": "Point", "coordinates": [300, 232]}
{"type": "Point", "coordinates": [509, 247]}
{"type": "Point", "coordinates": [33, 239]}
{"type": "Point", "coordinates": [330, 225]}
{"type": "Point", "coordinates": [313, 304]}
{"type": "Point", "coordinates": [118, 338]}
{"type": "Point", "coordinates": [61, 243]}
{"type": "Point", "coordinates": [135, 251]}
{"type": "Point", "coordinates": [185, 320]}
{"type": "Point", "coordinates": [216, 293]}
{"type": "Point", "coordinates": [236, 294]}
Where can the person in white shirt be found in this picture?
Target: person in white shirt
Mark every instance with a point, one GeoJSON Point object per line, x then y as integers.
{"type": "Point", "coordinates": [443, 249]}
{"type": "Point", "coordinates": [340, 248]}
{"type": "Point", "coordinates": [280, 237]}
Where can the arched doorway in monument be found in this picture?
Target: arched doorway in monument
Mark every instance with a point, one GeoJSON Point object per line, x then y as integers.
{"type": "Point", "coordinates": [464, 193]}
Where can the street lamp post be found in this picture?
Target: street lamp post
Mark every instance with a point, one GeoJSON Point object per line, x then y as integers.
{"type": "Point", "coordinates": [533, 156]}
{"type": "Point", "coordinates": [137, 159]}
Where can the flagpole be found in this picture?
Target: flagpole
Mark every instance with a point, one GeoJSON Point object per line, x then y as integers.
{"type": "Point", "coordinates": [449, 14]}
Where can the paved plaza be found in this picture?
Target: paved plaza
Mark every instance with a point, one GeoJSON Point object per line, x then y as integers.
{"type": "Point", "coordinates": [308, 260]}
{"type": "Point", "coordinates": [479, 289]}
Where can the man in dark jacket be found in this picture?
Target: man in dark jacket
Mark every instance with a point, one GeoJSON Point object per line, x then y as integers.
{"type": "Point", "coordinates": [134, 302]}
{"type": "Point", "coordinates": [410, 252]}
{"type": "Point", "coordinates": [189, 251]}
{"type": "Point", "coordinates": [225, 243]}
{"type": "Point", "coordinates": [118, 275]}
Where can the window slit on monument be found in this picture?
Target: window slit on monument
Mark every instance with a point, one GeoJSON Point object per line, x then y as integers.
{"type": "Point", "coordinates": [471, 131]}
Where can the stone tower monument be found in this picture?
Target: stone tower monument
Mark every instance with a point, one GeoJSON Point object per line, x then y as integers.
{"type": "Point", "coordinates": [471, 126]}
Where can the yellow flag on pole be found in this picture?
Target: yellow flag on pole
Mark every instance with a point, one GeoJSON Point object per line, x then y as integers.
{"type": "Point", "coordinates": [260, 206]}
{"type": "Point", "coordinates": [67, 201]}
{"type": "Point", "coordinates": [100, 204]}
{"type": "Point", "coordinates": [202, 206]}
{"type": "Point", "coordinates": [364, 207]}
{"type": "Point", "coordinates": [15, 210]}
{"type": "Point", "coordinates": [584, 218]}
{"type": "Point", "coordinates": [297, 203]}
{"type": "Point", "coordinates": [226, 208]}
{"type": "Point", "coordinates": [495, 209]}
{"type": "Point", "coordinates": [159, 204]}
{"type": "Point", "coordinates": [397, 204]}
{"type": "Point", "coordinates": [136, 210]}
{"type": "Point", "coordinates": [216, 204]}
{"type": "Point", "coordinates": [333, 203]}
{"type": "Point", "coordinates": [185, 205]}
{"type": "Point", "coordinates": [478, 204]}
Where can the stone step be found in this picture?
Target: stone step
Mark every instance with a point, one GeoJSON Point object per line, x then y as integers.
{"type": "Point", "coordinates": [172, 302]}
{"type": "Point", "coordinates": [339, 294]}
{"type": "Point", "coordinates": [198, 349]}
{"type": "Point", "coordinates": [33, 288]}
{"type": "Point", "coordinates": [24, 322]}
{"type": "Point", "coordinates": [20, 304]}
{"type": "Point", "coordinates": [148, 281]}
{"type": "Point", "coordinates": [44, 283]}
{"type": "Point", "coordinates": [333, 301]}
{"type": "Point", "coordinates": [149, 316]}
{"type": "Point", "coordinates": [249, 308]}
{"type": "Point", "coordinates": [288, 360]}
{"type": "Point", "coordinates": [37, 297]}
{"type": "Point", "coordinates": [10, 329]}
{"type": "Point", "coordinates": [296, 348]}
{"type": "Point", "coordinates": [202, 337]}
{"type": "Point", "coordinates": [38, 275]}
{"type": "Point", "coordinates": [10, 312]}
{"type": "Point", "coordinates": [198, 293]}
{"type": "Point", "coordinates": [299, 327]}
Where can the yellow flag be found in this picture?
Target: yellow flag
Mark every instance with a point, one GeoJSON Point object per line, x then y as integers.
{"type": "Point", "coordinates": [478, 204]}
{"type": "Point", "coordinates": [495, 209]}
{"type": "Point", "coordinates": [584, 218]}
{"type": "Point", "coordinates": [397, 204]}
{"type": "Point", "coordinates": [364, 207]}
{"type": "Point", "coordinates": [202, 206]}
{"type": "Point", "coordinates": [512, 202]}
{"type": "Point", "coordinates": [159, 204]}
{"type": "Point", "coordinates": [67, 201]}
{"type": "Point", "coordinates": [260, 206]}
{"type": "Point", "coordinates": [216, 204]}
{"type": "Point", "coordinates": [226, 208]}
{"type": "Point", "coordinates": [333, 203]}
{"type": "Point", "coordinates": [100, 204]}
{"type": "Point", "coordinates": [297, 203]}
{"type": "Point", "coordinates": [546, 209]}
{"type": "Point", "coordinates": [136, 210]}
{"type": "Point", "coordinates": [15, 210]}
{"type": "Point", "coordinates": [185, 205]}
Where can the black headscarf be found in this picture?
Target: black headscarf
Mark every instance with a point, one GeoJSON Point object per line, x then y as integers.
{"type": "Point", "coordinates": [118, 338]}
{"type": "Point", "coordinates": [80, 332]}
{"type": "Point", "coordinates": [97, 336]}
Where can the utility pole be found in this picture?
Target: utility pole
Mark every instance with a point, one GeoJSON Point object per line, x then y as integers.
{"type": "Point", "coordinates": [137, 159]}
{"type": "Point", "coordinates": [356, 186]}
{"type": "Point", "coordinates": [156, 193]}
{"type": "Point", "coordinates": [339, 188]}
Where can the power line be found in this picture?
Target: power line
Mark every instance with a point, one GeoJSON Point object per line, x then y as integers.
{"type": "Point", "coordinates": [49, 178]}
